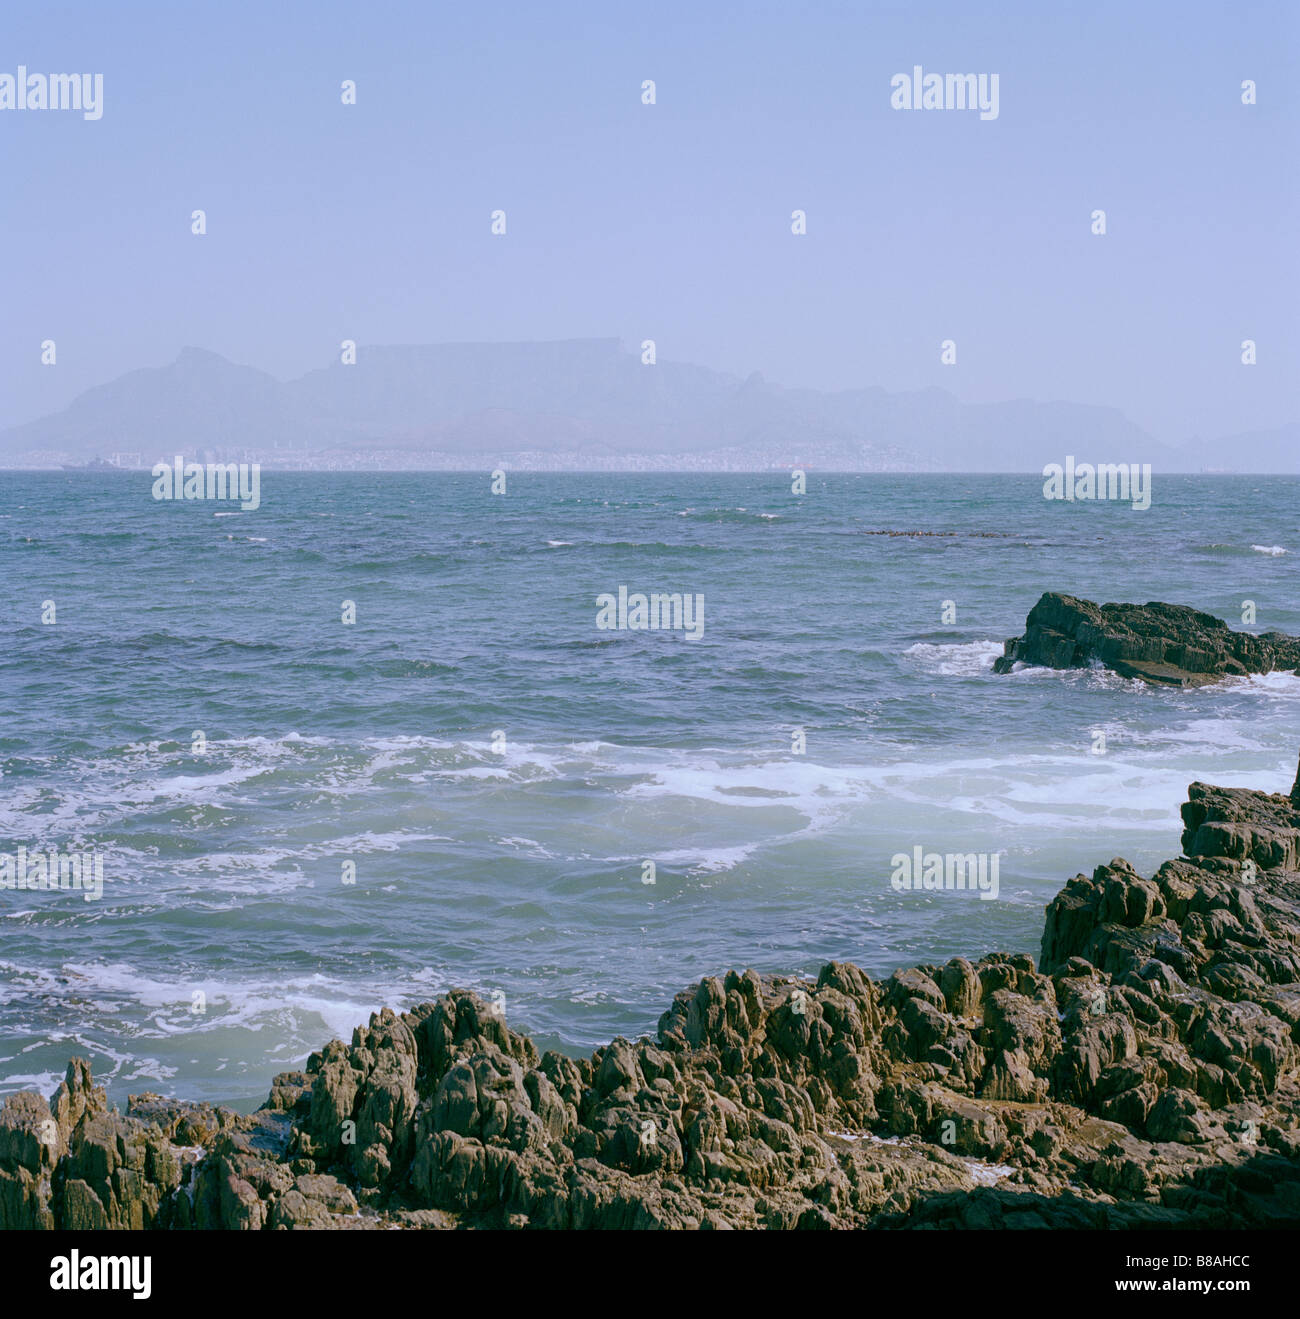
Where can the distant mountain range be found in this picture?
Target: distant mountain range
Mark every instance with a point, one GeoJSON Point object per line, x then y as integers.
{"type": "Point", "coordinates": [581, 403]}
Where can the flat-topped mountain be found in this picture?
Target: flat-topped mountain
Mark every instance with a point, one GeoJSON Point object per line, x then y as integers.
{"type": "Point", "coordinates": [573, 402]}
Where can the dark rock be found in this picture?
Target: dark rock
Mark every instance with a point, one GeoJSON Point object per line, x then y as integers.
{"type": "Point", "coordinates": [1240, 825]}
{"type": "Point", "coordinates": [1171, 645]}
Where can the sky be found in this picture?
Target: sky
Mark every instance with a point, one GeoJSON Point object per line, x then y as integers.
{"type": "Point", "coordinates": [670, 221]}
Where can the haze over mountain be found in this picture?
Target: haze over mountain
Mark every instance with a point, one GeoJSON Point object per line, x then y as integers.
{"type": "Point", "coordinates": [581, 403]}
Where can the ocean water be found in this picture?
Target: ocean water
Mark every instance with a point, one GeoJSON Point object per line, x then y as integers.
{"type": "Point", "coordinates": [497, 769]}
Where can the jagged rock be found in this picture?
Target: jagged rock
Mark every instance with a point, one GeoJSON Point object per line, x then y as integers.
{"type": "Point", "coordinates": [1145, 1073]}
{"type": "Point", "coordinates": [312, 1201]}
{"type": "Point", "coordinates": [1171, 645]}
{"type": "Point", "coordinates": [30, 1146]}
{"type": "Point", "coordinates": [117, 1174]}
{"type": "Point", "coordinates": [1240, 825]}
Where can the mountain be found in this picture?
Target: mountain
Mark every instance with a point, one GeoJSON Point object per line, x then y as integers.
{"type": "Point", "coordinates": [1275, 450]}
{"type": "Point", "coordinates": [199, 400]}
{"type": "Point", "coordinates": [570, 403]}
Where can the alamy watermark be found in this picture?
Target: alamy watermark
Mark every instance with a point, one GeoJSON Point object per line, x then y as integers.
{"type": "Point", "coordinates": [638, 612]}
{"type": "Point", "coordinates": [945, 91]}
{"type": "Point", "coordinates": [182, 480]}
{"type": "Point", "coordinates": [76, 1272]}
{"type": "Point", "coordinates": [919, 871]}
{"type": "Point", "coordinates": [1121, 481]}
{"type": "Point", "coordinates": [53, 872]}
{"type": "Point", "coordinates": [53, 91]}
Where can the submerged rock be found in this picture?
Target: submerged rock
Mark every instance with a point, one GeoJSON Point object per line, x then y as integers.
{"type": "Point", "coordinates": [1167, 644]}
{"type": "Point", "coordinates": [1146, 1072]}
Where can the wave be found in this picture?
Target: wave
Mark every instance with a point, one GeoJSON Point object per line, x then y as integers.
{"type": "Point", "coordinates": [1225, 549]}
{"type": "Point", "coordinates": [132, 1006]}
{"type": "Point", "coordinates": [1276, 684]}
{"type": "Point", "coordinates": [957, 659]}
{"type": "Point", "coordinates": [694, 861]}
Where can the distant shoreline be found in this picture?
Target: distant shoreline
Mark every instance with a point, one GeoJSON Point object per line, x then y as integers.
{"type": "Point", "coordinates": [486, 467]}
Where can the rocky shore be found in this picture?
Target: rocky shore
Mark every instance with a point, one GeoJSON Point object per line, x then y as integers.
{"type": "Point", "coordinates": [1170, 645]}
{"type": "Point", "coordinates": [1144, 1073]}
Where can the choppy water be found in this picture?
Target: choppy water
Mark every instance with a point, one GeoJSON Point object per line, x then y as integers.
{"type": "Point", "coordinates": [520, 870]}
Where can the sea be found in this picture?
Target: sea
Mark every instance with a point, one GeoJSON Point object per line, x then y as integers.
{"type": "Point", "coordinates": [367, 742]}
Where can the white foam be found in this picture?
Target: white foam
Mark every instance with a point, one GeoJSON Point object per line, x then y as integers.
{"type": "Point", "coordinates": [44, 1083]}
{"type": "Point", "coordinates": [698, 860]}
{"type": "Point", "coordinates": [959, 659]}
{"type": "Point", "coordinates": [220, 779]}
{"type": "Point", "coordinates": [529, 845]}
{"type": "Point", "coordinates": [1276, 684]}
{"type": "Point", "coordinates": [987, 1174]}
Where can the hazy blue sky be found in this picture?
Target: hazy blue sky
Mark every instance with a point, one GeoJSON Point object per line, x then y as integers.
{"type": "Point", "coordinates": [669, 222]}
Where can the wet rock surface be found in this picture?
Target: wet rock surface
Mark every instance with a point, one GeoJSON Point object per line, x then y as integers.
{"type": "Point", "coordinates": [1170, 645]}
{"type": "Point", "coordinates": [1145, 1072]}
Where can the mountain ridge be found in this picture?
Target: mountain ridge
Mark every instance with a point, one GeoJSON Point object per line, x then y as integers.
{"type": "Point", "coordinates": [567, 402]}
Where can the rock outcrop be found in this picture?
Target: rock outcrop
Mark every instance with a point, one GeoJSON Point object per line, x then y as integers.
{"type": "Point", "coordinates": [1146, 1072]}
{"type": "Point", "coordinates": [1158, 643]}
